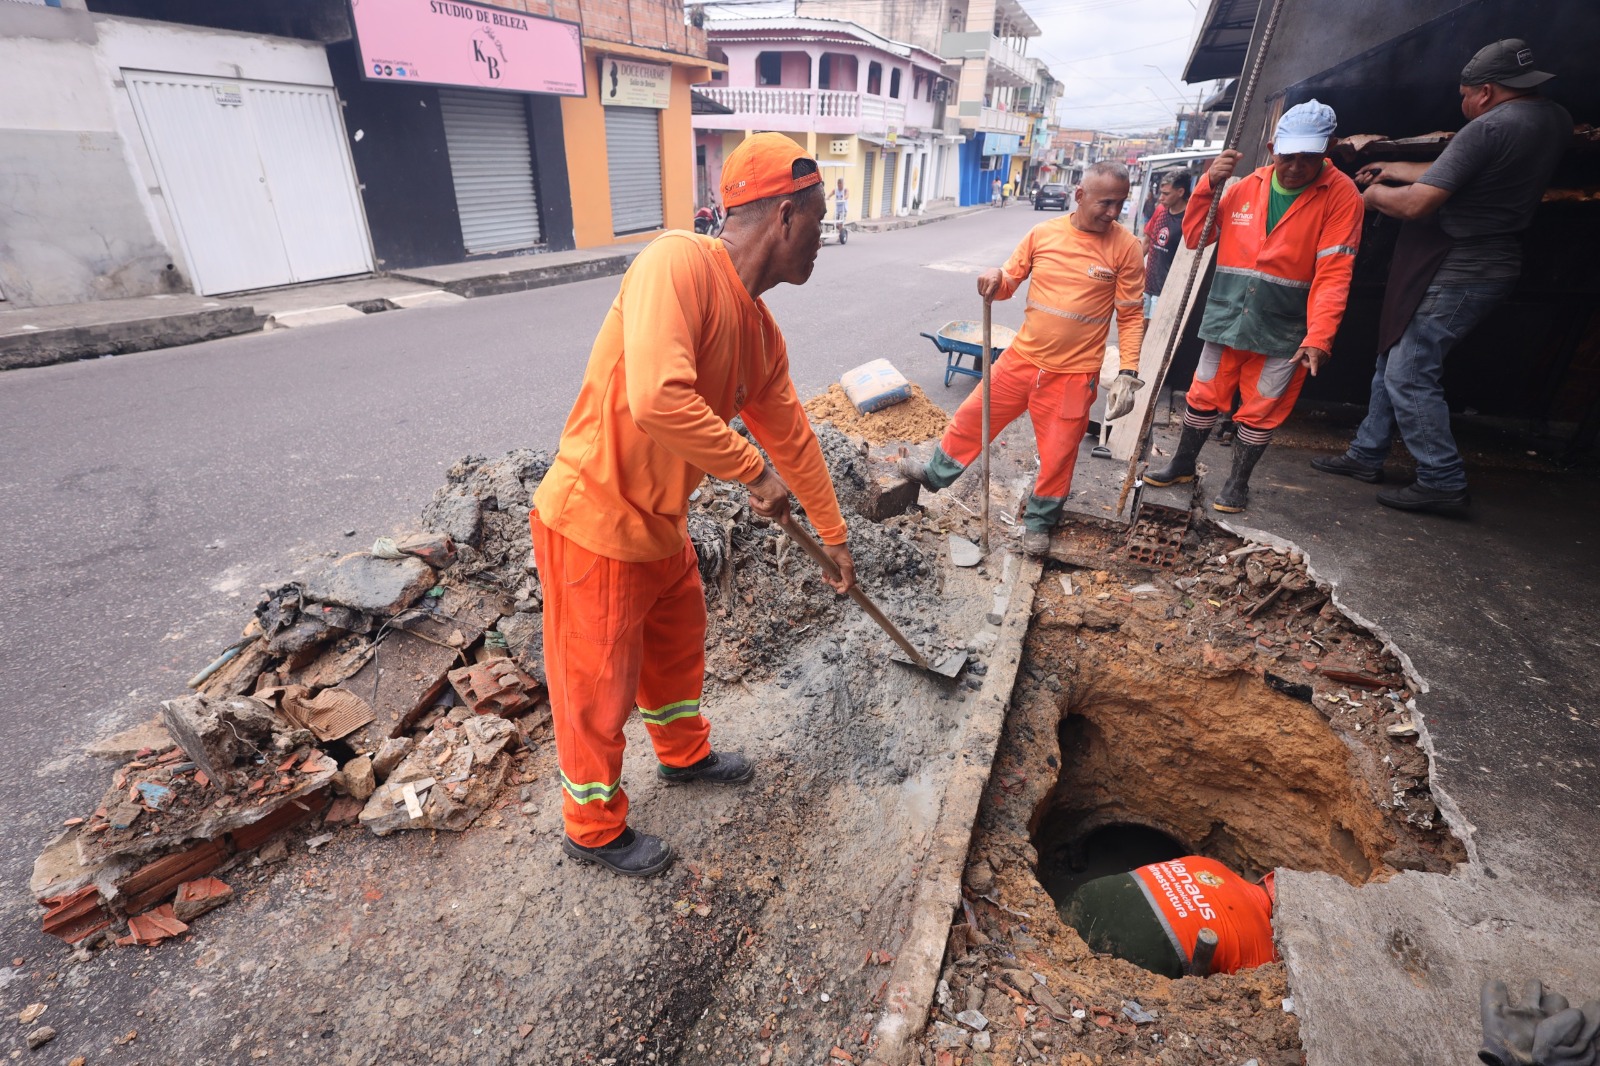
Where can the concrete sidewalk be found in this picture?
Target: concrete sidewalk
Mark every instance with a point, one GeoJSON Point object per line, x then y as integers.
{"type": "Point", "coordinates": [934, 213]}
{"type": "Point", "coordinates": [1497, 615]}
{"type": "Point", "coordinates": [40, 336]}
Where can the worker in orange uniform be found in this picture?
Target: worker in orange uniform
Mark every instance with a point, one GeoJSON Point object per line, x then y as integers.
{"type": "Point", "coordinates": [1153, 917]}
{"type": "Point", "coordinates": [687, 345]}
{"type": "Point", "coordinates": [1084, 269]}
{"type": "Point", "coordinates": [1287, 236]}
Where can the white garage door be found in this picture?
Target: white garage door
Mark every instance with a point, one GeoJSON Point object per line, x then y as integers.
{"type": "Point", "coordinates": [492, 165]}
{"type": "Point", "coordinates": [257, 177]}
{"type": "Point", "coordinates": [633, 162]}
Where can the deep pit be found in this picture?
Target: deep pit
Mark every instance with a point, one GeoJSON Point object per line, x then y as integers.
{"type": "Point", "coordinates": [1225, 708]}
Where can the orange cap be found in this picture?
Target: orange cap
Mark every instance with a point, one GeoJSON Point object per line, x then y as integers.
{"type": "Point", "coordinates": [763, 166]}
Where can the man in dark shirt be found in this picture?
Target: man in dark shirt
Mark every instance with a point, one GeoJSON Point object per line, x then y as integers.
{"type": "Point", "coordinates": [1161, 237]}
{"type": "Point", "coordinates": [1458, 255]}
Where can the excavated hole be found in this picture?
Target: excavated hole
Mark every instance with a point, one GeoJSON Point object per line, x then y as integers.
{"type": "Point", "coordinates": [1159, 759]}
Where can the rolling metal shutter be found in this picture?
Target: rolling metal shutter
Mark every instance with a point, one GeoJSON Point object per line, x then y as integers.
{"type": "Point", "coordinates": [633, 161]}
{"type": "Point", "coordinates": [886, 207]}
{"type": "Point", "coordinates": [492, 166]}
{"type": "Point", "coordinates": [866, 186]}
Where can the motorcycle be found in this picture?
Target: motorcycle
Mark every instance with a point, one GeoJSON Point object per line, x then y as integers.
{"type": "Point", "coordinates": [708, 220]}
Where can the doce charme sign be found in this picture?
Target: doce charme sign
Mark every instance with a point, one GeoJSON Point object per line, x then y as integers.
{"type": "Point", "coordinates": [476, 46]}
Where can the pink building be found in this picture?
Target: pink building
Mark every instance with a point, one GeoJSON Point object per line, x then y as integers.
{"type": "Point", "coordinates": [870, 110]}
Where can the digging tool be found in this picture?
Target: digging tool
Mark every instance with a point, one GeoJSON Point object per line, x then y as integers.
{"type": "Point", "coordinates": [1205, 946]}
{"type": "Point", "coordinates": [988, 354]}
{"type": "Point", "coordinates": [948, 667]}
{"type": "Point", "coordinates": [1100, 451]}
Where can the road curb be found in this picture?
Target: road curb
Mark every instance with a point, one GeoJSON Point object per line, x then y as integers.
{"type": "Point", "coordinates": [497, 283]}
{"type": "Point", "coordinates": [911, 222]}
{"type": "Point", "coordinates": [916, 970]}
{"type": "Point", "coordinates": [71, 343]}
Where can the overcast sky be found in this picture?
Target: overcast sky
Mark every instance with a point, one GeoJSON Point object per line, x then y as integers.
{"type": "Point", "coordinates": [1121, 61]}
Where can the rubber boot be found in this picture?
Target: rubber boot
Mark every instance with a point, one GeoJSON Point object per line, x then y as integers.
{"type": "Point", "coordinates": [1235, 495]}
{"type": "Point", "coordinates": [1182, 466]}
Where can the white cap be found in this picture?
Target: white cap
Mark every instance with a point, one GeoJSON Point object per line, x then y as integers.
{"type": "Point", "coordinates": [1305, 127]}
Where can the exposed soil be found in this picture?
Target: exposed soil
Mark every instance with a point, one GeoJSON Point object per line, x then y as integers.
{"type": "Point", "coordinates": [1154, 708]}
{"type": "Point", "coordinates": [912, 421]}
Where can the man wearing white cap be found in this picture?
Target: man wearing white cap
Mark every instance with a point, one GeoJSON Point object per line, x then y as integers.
{"type": "Point", "coordinates": [1286, 236]}
{"type": "Point", "coordinates": [1458, 255]}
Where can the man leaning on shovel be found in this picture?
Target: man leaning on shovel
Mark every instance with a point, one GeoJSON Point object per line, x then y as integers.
{"type": "Point", "coordinates": [686, 346]}
{"type": "Point", "coordinates": [1085, 269]}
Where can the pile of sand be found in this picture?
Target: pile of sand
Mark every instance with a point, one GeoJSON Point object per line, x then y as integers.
{"type": "Point", "coordinates": [916, 420]}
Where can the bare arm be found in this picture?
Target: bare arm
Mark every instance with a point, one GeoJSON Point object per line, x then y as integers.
{"type": "Point", "coordinates": [1405, 201]}
{"type": "Point", "coordinates": [1391, 173]}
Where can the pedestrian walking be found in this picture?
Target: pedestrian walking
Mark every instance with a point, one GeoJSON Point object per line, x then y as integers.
{"type": "Point", "coordinates": [1162, 235]}
{"type": "Point", "coordinates": [1286, 236]}
{"type": "Point", "coordinates": [687, 345]}
{"type": "Point", "coordinates": [1456, 258]}
{"type": "Point", "coordinates": [994, 193]}
{"type": "Point", "coordinates": [1084, 269]}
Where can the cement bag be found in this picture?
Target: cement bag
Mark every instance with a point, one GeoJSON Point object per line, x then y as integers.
{"type": "Point", "coordinates": [875, 385]}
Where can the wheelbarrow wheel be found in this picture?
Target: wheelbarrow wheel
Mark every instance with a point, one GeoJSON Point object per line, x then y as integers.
{"type": "Point", "coordinates": [844, 233]}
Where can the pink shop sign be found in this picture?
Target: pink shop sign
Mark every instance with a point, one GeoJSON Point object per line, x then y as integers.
{"type": "Point", "coordinates": [448, 42]}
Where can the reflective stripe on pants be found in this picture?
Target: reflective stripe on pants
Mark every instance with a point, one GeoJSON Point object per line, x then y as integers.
{"type": "Point", "coordinates": [600, 615]}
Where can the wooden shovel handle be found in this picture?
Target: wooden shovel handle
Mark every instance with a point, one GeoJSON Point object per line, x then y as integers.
{"type": "Point", "coordinates": [813, 549]}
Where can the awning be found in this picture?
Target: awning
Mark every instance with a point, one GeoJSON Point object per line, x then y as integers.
{"type": "Point", "coordinates": [1223, 43]}
{"type": "Point", "coordinates": [701, 104]}
{"type": "Point", "coordinates": [1222, 101]}
{"type": "Point", "coordinates": [882, 142]}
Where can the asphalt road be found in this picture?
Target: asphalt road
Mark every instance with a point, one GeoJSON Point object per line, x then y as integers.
{"type": "Point", "coordinates": [145, 500]}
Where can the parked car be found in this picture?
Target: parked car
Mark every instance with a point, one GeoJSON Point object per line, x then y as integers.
{"type": "Point", "coordinates": [1054, 196]}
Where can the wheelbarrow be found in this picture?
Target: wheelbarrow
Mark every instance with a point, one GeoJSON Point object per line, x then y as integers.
{"type": "Point", "coordinates": [961, 340]}
{"type": "Point", "coordinates": [835, 230]}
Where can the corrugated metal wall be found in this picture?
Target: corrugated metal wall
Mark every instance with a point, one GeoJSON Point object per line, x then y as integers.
{"type": "Point", "coordinates": [492, 163]}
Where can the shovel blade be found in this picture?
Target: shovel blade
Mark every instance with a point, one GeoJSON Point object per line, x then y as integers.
{"type": "Point", "coordinates": [948, 667]}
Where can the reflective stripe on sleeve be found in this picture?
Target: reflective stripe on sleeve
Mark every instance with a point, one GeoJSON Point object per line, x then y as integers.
{"type": "Point", "coordinates": [1337, 249]}
{"type": "Point", "coordinates": [1271, 279]}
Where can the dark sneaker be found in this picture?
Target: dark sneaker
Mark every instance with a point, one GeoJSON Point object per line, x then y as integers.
{"type": "Point", "coordinates": [1417, 498]}
{"type": "Point", "coordinates": [718, 768]}
{"type": "Point", "coordinates": [631, 854]}
{"type": "Point", "coordinates": [1345, 466]}
{"type": "Point", "coordinates": [1035, 543]}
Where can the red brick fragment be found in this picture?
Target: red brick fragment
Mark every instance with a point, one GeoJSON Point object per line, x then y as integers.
{"type": "Point", "coordinates": [155, 881]}
{"type": "Point", "coordinates": [496, 686]}
{"type": "Point", "coordinates": [295, 811]}
{"type": "Point", "coordinates": [73, 917]}
{"type": "Point", "coordinates": [153, 927]}
{"type": "Point", "coordinates": [196, 897]}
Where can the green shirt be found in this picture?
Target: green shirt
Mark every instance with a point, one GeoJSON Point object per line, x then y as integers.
{"type": "Point", "coordinates": [1279, 201]}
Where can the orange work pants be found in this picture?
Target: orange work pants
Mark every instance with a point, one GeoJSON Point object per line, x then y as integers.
{"type": "Point", "coordinates": [1059, 406]}
{"type": "Point", "coordinates": [1267, 387]}
{"type": "Point", "coordinates": [600, 616]}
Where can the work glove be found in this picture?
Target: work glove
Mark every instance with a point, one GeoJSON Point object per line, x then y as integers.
{"type": "Point", "coordinates": [1119, 398]}
{"type": "Point", "coordinates": [1543, 1031]}
{"type": "Point", "coordinates": [1567, 1038]}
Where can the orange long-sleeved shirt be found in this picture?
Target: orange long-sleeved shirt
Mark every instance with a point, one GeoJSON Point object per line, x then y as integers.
{"type": "Point", "coordinates": [1079, 280]}
{"type": "Point", "coordinates": [684, 349]}
{"type": "Point", "coordinates": [1195, 893]}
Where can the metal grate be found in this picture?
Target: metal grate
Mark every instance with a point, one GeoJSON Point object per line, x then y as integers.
{"type": "Point", "coordinates": [1156, 538]}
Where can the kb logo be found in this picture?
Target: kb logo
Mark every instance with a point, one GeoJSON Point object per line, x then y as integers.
{"type": "Point", "coordinates": [487, 52]}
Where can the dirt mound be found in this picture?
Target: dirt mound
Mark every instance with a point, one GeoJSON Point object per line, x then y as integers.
{"type": "Point", "coordinates": [913, 421]}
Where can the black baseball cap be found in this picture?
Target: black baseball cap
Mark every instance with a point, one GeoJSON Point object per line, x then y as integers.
{"type": "Point", "coordinates": [1508, 62]}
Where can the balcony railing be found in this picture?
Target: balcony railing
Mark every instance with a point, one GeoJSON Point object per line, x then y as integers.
{"type": "Point", "coordinates": [994, 120]}
{"type": "Point", "coordinates": [826, 110]}
{"type": "Point", "coordinates": [1009, 59]}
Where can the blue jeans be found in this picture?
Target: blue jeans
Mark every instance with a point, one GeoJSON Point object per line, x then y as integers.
{"type": "Point", "coordinates": [1408, 390]}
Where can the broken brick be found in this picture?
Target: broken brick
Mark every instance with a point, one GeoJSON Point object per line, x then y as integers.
{"type": "Point", "coordinates": [196, 897]}
{"type": "Point", "coordinates": [152, 927]}
{"type": "Point", "coordinates": [75, 916]}
{"type": "Point", "coordinates": [155, 881]}
{"type": "Point", "coordinates": [345, 809]}
{"type": "Point", "coordinates": [495, 686]}
{"type": "Point", "coordinates": [292, 813]}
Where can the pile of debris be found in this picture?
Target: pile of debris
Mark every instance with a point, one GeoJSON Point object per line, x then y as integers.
{"type": "Point", "coordinates": [392, 686]}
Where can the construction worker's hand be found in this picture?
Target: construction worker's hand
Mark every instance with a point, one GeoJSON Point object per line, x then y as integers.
{"type": "Point", "coordinates": [769, 496]}
{"type": "Point", "coordinates": [1222, 167]}
{"type": "Point", "coordinates": [1508, 1030]}
{"type": "Point", "coordinates": [1313, 358]}
{"type": "Point", "coordinates": [1567, 1038]}
{"type": "Point", "coordinates": [1119, 397]}
{"type": "Point", "coordinates": [989, 283]}
{"type": "Point", "coordinates": [840, 555]}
